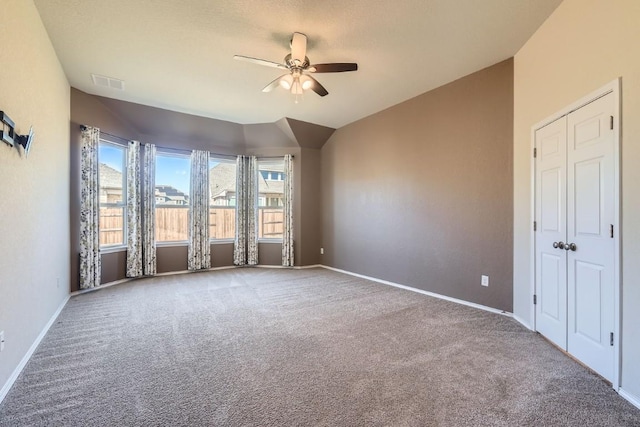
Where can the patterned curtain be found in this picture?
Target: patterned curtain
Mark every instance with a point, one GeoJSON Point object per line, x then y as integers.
{"type": "Point", "coordinates": [245, 251]}
{"type": "Point", "coordinates": [134, 225]}
{"type": "Point", "coordinates": [90, 265]}
{"type": "Point", "coordinates": [199, 245]}
{"type": "Point", "coordinates": [287, 234]}
{"type": "Point", "coordinates": [252, 210]}
{"type": "Point", "coordinates": [149, 210]}
{"type": "Point", "coordinates": [240, 243]}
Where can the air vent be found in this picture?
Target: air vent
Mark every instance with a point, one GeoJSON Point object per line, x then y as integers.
{"type": "Point", "coordinates": [109, 82]}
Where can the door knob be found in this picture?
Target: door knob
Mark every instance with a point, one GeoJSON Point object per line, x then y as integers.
{"type": "Point", "coordinates": [570, 247]}
{"type": "Point", "coordinates": [559, 244]}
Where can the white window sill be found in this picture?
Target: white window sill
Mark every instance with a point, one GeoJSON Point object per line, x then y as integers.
{"type": "Point", "coordinates": [221, 241]}
{"type": "Point", "coordinates": [168, 244]}
{"type": "Point", "coordinates": [112, 249]}
{"type": "Point", "coordinates": [279, 241]}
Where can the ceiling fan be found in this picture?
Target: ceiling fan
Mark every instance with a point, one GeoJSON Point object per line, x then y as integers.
{"type": "Point", "coordinates": [298, 78]}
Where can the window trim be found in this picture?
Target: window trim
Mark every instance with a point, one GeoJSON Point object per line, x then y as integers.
{"type": "Point", "coordinates": [268, 161]}
{"type": "Point", "coordinates": [115, 247]}
{"type": "Point", "coordinates": [217, 158]}
{"type": "Point", "coordinates": [166, 243]}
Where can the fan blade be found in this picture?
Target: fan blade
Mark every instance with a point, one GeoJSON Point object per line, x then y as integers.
{"type": "Point", "coordinates": [336, 67]}
{"type": "Point", "coordinates": [260, 61]}
{"type": "Point", "coordinates": [317, 87]}
{"type": "Point", "coordinates": [298, 48]}
{"type": "Point", "coordinates": [274, 84]}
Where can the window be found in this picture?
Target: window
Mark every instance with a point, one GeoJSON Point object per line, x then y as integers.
{"type": "Point", "coordinates": [172, 197]}
{"type": "Point", "coordinates": [270, 198]}
{"type": "Point", "coordinates": [112, 193]}
{"type": "Point", "coordinates": [222, 199]}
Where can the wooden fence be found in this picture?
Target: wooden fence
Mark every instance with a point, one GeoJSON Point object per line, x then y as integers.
{"type": "Point", "coordinates": [172, 224]}
{"type": "Point", "coordinates": [111, 226]}
{"type": "Point", "coordinates": [270, 223]}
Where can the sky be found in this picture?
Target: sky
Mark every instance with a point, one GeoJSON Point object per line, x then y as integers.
{"type": "Point", "coordinates": [170, 170]}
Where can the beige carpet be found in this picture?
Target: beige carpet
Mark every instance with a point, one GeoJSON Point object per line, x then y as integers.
{"type": "Point", "coordinates": [265, 347]}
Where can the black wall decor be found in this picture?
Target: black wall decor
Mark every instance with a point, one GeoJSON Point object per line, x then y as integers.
{"type": "Point", "coordinates": [7, 133]}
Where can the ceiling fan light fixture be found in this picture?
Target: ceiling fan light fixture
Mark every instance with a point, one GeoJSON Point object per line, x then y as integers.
{"type": "Point", "coordinates": [286, 81]}
{"type": "Point", "coordinates": [306, 82]}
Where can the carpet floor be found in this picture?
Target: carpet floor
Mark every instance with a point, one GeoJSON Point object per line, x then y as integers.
{"type": "Point", "coordinates": [270, 347]}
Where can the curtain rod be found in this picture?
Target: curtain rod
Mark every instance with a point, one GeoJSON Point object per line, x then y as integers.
{"type": "Point", "coordinates": [84, 127]}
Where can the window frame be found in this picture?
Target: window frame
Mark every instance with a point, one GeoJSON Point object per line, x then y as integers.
{"type": "Point", "coordinates": [213, 240]}
{"type": "Point", "coordinates": [164, 243]}
{"type": "Point", "coordinates": [263, 161]}
{"type": "Point", "coordinates": [115, 247]}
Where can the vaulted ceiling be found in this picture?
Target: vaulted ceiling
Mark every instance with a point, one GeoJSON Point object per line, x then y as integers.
{"type": "Point", "coordinates": [178, 55]}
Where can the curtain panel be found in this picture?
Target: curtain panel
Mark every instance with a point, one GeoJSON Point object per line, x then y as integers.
{"type": "Point", "coordinates": [134, 219]}
{"type": "Point", "coordinates": [199, 246]}
{"type": "Point", "coordinates": [90, 262]}
{"type": "Point", "coordinates": [240, 242]}
{"type": "Point", "coordinates": [149, 211]}
{"type": "Point", "coordinates": [245, 251]}
{"type": "Point", "coordinates": [252, 210]}
{"type": "Point", "coordinates": [287, 233]}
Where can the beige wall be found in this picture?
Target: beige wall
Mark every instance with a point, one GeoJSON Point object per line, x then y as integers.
{"type": "Point", "coordinates": [34, 194]}
{"type": "Point", "coordinates": [421, 194]}
{"type": "Point", "coordinates": [582, 46]}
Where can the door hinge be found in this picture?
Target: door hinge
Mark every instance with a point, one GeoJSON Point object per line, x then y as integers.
{"type": "Point", "coordinates": [535, 299]}
{"type": "Point", "coordinates": [611, 123]}
{"type": "Point", "coordinates": [611, 230]}
{"type": "Point", "coordinates": [535, 152]}
{"type": "Point", "coordinates": [611, 338]}
{"type": "Point", "coordinates": [535, 226]}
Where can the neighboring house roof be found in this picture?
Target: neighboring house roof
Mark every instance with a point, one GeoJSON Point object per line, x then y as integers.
{"type": "Point", "coordinates": [170, 193]}
{"type": "Point", "coordinates": [222, 179]}
{"type": "Point", "coordinates": [269, 186]}
{"type": "Point", "coordinates": [109, 177]}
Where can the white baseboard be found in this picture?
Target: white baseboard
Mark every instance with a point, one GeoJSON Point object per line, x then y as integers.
{"type": "Point", "coordinates": [297, 267]}
{"type": "Point", "coordinates": [634, 400]}
{"type": "Point", "coordinates": [16, 372]}
{"type": "Point", "coordinates": [522, 322]}
{"type": "Point", "coordinates": [420, 291]}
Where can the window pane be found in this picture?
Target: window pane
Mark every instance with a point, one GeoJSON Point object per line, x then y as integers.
{"type": "Point", "coordinates": [172, 180]}
{"type": "Point", "coordinates": [111, 179]}
{"type": "Point", "coordinates": [172, 224]}
{"type": "Point", "coordinates": [270, 199]}
{"type": "Point", "coordinates": [111, 193]}
{"type": "Point", "coordinates": [172, 197]}
{"type": "Point", "coordinates": [222, 189]}
{"type": "Point", "coordinates": [111, 226]}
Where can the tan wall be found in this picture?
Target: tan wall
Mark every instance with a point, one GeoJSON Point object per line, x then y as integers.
{"type": "Point", "coordinates": [582, 46]}
{"type": "Point", "coordinates": [34, 247]}
{"type": "Point", "coordinates": [421, 194]}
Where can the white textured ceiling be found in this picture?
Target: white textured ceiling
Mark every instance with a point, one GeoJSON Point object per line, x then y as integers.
{"type": "Point", "coordinates": [178, 54]}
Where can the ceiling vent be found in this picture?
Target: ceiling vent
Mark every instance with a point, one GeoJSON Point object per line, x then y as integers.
{"type": "Point", "coordinates": [109, 82]}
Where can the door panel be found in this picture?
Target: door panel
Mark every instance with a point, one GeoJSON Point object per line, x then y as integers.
{"type": "Point", "coordinates": [588, 288]}
{"type": "Point", "coordinates": [551, 285]}
{"type": "Point", "coordinates": [588, 198]}
{"type": "Point", "coordinates": [551, 266]}
{"type": "Point", "coordinates": [590, 213]}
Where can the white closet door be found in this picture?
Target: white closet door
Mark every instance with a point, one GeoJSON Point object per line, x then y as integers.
{"type": "Point", "coordinates": [551, 198]}
{"type": "Point", "coordinates": [590, 216]}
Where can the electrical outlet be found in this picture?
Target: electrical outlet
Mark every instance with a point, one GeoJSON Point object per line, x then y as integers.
{"type": "Point", "coordinates": [1, 340]}
{"type": "Point", "coordinates": [484, 281]}
{"type": "Point", "coordinates": [321, 251]}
